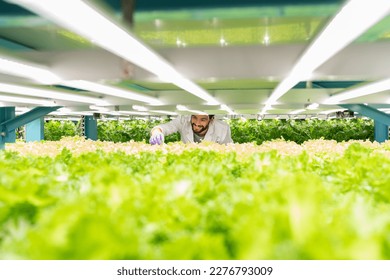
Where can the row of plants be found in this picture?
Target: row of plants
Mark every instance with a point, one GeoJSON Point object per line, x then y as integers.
{"type": "Point", "coordinates": [251, 130]}
{"type": "Point", "coordinates": [82, 199]}
{"type": "Point", "coordinates": [300, 131]}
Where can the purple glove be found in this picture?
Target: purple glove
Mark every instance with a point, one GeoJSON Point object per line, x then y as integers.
{"type": "Point", "coordinates": [157, 138]}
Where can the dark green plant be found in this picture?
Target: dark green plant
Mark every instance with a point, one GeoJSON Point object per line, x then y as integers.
{"type": "Point", "coordinates": [252, 130]}
{"type": "Point", "coordinates": [300, 131]}
{"type": "Point", "coordinates": [126, 130]}
{"type": "Point", "coordinates": [54, 130]}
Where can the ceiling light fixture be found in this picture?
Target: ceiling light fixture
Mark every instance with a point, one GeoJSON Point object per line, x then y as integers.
{"type": "Point", "coordinates": [355, 17]}
{"type": "Point", "coordinates": [164, 112]}
{"type": "Point", "coordinates": [27, 70]}
{"type": "Point", "coordinates": [140, 108]}
{"type": "Point", "coordinates": [185, 109]}
{"type": "Point", "coordinates": [359, 91]}
{"type": "Point", "coordinates": [22, 109]}
{"type": "Point", "coordinates": [64, 110]}
{"type": "Point", "coordinates": [266, 108]}
{"type": "Point", "coordinates": [329, 111]}
{"type": "Point", "coordinates": [227, 109]}
{"type": "Point", "coordinates": [295, 112]}
{"type": "Point", "coordinates": [266, 39]}
{"type": "Point", "coordinates": [88, 22]}
{"type": "Point", "coordinates": [312, 106]}
{"type": "Point", "coordinates": [198, 112]}
{"type": "Point", "coordinates": [43, 93]}
{"type": "Point", "coordinates": [22, 100]}
{"type": "Point", "coordinates": [45, 76]}
{"type": "Point", "coordinates": [58, 113]}
{"type": "Point", "coordinates": [113, 113]}
{"type": "Point", "coordinates": [222, 42]}
{"type": "Point", "coordinates": [99, 109]}
{"type": "Point", "coordinates": [181, 108]}
{"type": "Point", "coordinates": [81, 113]}
{"type": "Point", "coordinates": [110, 90]}
{"type": "Point", "coordinates": [133, 113]}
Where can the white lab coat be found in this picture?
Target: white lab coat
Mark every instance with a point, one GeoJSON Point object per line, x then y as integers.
{"type": "Point", "coordinates": [218, 132]}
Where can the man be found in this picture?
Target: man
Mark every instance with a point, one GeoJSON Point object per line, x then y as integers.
{"type": "Point", "coordinates": [193, 129]}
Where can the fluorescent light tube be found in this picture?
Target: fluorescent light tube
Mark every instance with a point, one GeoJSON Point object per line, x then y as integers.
{"type": "Point", "coordinates": [27, 70]}
{"type": "Point", "coordinates": [14, 99]}
{"type": "Point", "coordinates": [22, 109]}
{"type": "Point", "coordinates": [227, 109]}
{"type": "Point", "coordinates": [197, 112]}
{"type": "Point", "coordinates": [110, 90]}
{"type": "Point", "coordinates": [113, 113]}
{"type": "Point", "coordinates": [86, 21]}
{"type": "Point", "coordinates": [312, 106]}
{"type": "Point", "coordinates": [265, 109]}
{"type": "Point", "coordinates": [73, 113]}
{"type": "Point", "coordinates": [64, 110]}
{"type": "Point", "coordinates": [140, 108]}
{"type": "Point", "coordinates": [297, 111]}
{"type": "Point", "coordinates": [100, 109]}
{"type": "Point", "coordinates": [181, 108]}
{"type": "Point", "coordinates": [355, 17]}
{"type": "Point", "coordinates": [43, 93]}
{"type": "Point", "coordinates": [58, 113]}
{"type": "Point", "coordinates": [61, 119]}
{"type": "Point", "coordinates": [330, 111]}
{"type": "Point", "coordinates": [82, 113]}
{"type": "Point", "coordinates": [144, 109]}
{"type": "Point", "coordinates": [360, 91]}
{"type": "Point", "coordinates": [133, 113]}
{"type": "Point", "coordinates": [185, 109]}
{"type": "Point", "coordinates": [164, 112]}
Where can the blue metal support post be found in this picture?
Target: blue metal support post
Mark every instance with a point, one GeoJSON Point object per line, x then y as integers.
{"type": "Point", "coordinates": [381, 120]}
{"type": "Point", "coordinates": [8, 126]}
{"type": "Point", "coordinates": [381, 132]}
{"type": "Point", "coordinates": [8, 113]}
{"type": "Point", "coordinates": [90, 126]}
{"type": "Point", "coordinates": [34, 130]}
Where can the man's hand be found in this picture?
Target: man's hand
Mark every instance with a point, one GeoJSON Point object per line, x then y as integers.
{"type": "Point", "coordinates": [157, 137]}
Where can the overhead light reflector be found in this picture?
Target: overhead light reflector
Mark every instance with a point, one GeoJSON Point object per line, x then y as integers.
{"type": "Point", "coordinates": [88, 22]}
{"type": "Point", "coordinates": [112, 91]}
{"type": "Point", "coordinates": [360, 91]}
{"type": "Point", "coordinates": [23, 100]}
{"type": "Point", "coordinates": [25, 70]}
{"type": "Point", "coordinates": [43, 93]}
{"type": "Point", "coordinates": [355, 17]}
{"type": "Point", "coordinates": [227, 109]}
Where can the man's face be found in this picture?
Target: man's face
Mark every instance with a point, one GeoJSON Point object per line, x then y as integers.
{"type": "Point", "coordinates": [200, 123]}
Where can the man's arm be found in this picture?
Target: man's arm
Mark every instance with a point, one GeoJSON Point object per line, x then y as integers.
{"type": "Point", "coordinates": [228, 139]}
{"type": "Point", "coordinates": [158, 132]}
{"type": "Point", "coordinates": [170, 127]}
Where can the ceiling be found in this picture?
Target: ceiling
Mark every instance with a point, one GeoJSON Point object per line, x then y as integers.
{"type": "Point", "coordinates": [237, 51]}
